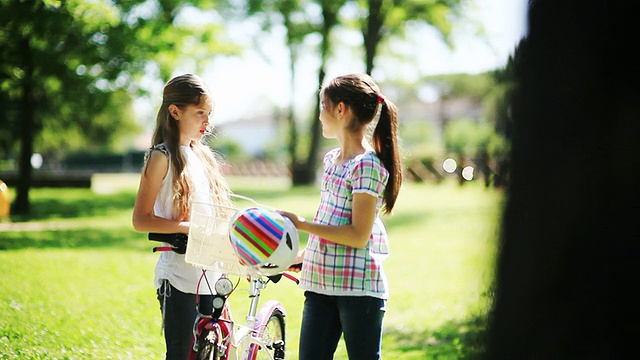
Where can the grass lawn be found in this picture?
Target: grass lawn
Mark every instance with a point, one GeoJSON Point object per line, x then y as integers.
{"type": "Point", "coordinates": [77, 280]}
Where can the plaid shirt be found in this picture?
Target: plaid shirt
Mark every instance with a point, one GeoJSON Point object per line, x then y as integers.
{"type": "Point", "coordinates": [334, 269]}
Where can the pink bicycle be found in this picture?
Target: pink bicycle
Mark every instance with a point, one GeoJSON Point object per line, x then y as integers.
{"type": "Point", "coordinates": [261, 336]}
{"type": "Point", "coordinates": [235, 246]}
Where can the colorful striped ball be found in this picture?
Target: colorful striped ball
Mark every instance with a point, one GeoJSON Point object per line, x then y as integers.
{"type": "Point", "coordinates": [256, 234]}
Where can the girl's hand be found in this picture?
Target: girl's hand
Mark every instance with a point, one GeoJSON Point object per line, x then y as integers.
{"type": "Point", "coordinates": [295, 219]}
{"type": "Point", "coordinates": [295, 267]}
{"type": "Point", "coordinates": [297, 262]}
{"type": "Point", "coordinates": [184, 227]}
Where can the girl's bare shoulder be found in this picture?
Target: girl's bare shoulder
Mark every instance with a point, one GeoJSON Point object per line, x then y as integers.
{"type": "Point", "coordinates": [157, 161]}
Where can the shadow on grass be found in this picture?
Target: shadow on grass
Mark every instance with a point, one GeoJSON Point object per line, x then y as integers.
{"type": "Point", "coordinates": [63, 203]}
{"type": "Point", "coordinates": [76, 238]}
{"type": "Point", "coordinates": [454, 340]}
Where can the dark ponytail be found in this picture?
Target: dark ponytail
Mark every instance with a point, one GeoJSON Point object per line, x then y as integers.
{"type": "Point", "coordinates": [385, 143]}
{"type": "Point", "coordinates": [365, 100]}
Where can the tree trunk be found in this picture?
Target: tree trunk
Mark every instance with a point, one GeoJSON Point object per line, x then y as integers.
{"type": "Point", "coordinates": [291, 119]}
{"type": "Point", "coordinates": [22, 205]}
{"type": "Point", "coordinates": [371, 34]}
{"type": "Point", "coordinates": [304, 172]}
{"type": "Point", "coordinates": [568, 256]}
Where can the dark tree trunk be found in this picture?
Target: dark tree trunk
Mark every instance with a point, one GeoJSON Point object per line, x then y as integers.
{"type": "Point", "coordinates": [568, 260]}
{"type": "Point", "coordinates": [371, 33]}
{"type": "Point", "coordinates": [22, 205]}
{"type": "Point", "coordinates": [304, 172]}
{"type": "Point", "coordinates": [291, 118]}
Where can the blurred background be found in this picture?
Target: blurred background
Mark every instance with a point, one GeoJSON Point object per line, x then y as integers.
{"type": "Point", "coordinates": [80, 82]}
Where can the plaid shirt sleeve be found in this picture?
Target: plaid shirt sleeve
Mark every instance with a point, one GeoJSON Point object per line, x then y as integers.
{"type": "Point", "coordinates": [369, 176]}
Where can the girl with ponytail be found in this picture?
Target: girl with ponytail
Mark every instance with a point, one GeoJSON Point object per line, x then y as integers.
{"type": "Point", "coordinates": [345, 285]}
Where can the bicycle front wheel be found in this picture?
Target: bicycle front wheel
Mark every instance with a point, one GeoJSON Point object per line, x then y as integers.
{"type": "Point", "coordinates": [270, 330]}
{"type": "Point", "coordinates": [208, 345]}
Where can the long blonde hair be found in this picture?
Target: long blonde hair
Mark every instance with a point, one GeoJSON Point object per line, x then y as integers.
{"type": "Point", "coordinates": [183, 90]}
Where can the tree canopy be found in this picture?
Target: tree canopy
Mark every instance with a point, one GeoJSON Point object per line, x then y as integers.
{"type": "Point", "coordinates": [69, 69]}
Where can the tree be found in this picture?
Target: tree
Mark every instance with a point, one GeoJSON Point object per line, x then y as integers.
{"type": "Point", "coordinates": [304, 171]}
{"type": "Point", "coordinates": [379, 19]}
{"type": "Point", "coordinates": [50, 65]}
{"type": "Point", "coordinates": [292, 15]}
{"type": "Point", "coordinates": [65, 64]}
{"type": "Point", "coordinates": [567, 265]}
{"type": "Point", "coordinates": [382, 18]}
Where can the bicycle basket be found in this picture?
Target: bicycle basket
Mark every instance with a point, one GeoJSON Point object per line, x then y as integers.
{"type": "Point", "coordinates": [208, 246]}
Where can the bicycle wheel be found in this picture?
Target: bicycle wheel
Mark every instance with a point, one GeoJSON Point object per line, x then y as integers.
{"type": "Point", "coordinates": [207, 345]}
{"type": "Point", "coordinates": [273, 336]}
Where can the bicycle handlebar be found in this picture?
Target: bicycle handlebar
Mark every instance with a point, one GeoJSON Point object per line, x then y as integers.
{"type": "Point", "coordinates": [277, 277]}
{"type": "Point", "coordinates": [178, 242]}
{"type": "Point", "coordinates": [291, 277]}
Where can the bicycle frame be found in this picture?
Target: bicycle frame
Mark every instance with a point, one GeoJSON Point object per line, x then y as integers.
{"type": "Point", "coordinates": [235, 341]}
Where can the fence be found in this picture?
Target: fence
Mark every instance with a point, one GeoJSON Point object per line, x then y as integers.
{"type": "Point", "coordinates": [415, 171]}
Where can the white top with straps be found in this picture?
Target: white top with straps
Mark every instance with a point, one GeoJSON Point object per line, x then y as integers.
{"type": "Point", "coordinates": [171, 265]}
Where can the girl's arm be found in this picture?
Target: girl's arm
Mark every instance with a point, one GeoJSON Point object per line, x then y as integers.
{"type": "Point", "coordinates": [355, 234]}
{"type": "Point", "coordinates": [144, 220]}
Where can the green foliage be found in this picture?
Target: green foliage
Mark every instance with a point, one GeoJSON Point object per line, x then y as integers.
{"type": "Point", "coordinates": [78, 62]}
{"type": "Point", "coordinates": [498, 147]}
{"type": "Point", "coordinates": [420, 140]}
{"type": "Point", "coordinates": [465, 137]}
{"type": "Point", "coordinates": [416, 132]}
{"type": "Point", "coordinates": [276, 150]}
{"type": "Point", "coordinates": [228, 148]}
{"type": "Point", "coordinates": [69, 70]}
{"type": "Point", "coordinates": [498, 100]}
{"type": "Point", "coordinates": [462, 85]}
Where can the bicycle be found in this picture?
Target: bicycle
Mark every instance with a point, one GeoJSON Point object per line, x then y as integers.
{"type": "Point", "coordinates": [219, 336]}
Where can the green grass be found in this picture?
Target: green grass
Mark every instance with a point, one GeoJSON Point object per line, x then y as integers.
{"type": "Point", "coordinates": [80, 285]}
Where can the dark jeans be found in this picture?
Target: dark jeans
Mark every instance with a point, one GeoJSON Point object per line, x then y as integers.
{"type": "Point", "coordinates": [179, 312]}
{"type": "Point", "coordinates": [326, 318]}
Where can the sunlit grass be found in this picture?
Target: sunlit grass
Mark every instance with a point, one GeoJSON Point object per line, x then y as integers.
{"type": "Point", "coordinates": [84, 288]}
{"type": "Point", "coordinates": [78, 304]}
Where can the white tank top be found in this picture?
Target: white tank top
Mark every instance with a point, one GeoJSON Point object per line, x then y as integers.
{"type": "Point", "coordinates": [172, 266]}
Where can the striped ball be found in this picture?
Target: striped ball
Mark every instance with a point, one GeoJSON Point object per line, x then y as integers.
{"type": "Point", "coordinates": [256, 234]}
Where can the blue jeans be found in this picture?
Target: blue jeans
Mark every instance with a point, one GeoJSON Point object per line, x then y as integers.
{"type": "Point", "coordinates": [179, 314]}
{"type": "Point", "coordinates": [325, 318]}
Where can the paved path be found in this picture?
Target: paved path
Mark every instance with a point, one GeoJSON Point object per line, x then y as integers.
{"type": "Point", "coordinates": [35, 226]}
